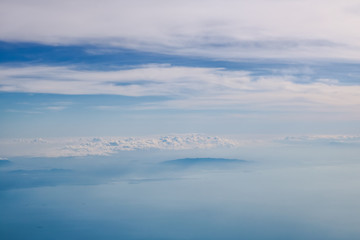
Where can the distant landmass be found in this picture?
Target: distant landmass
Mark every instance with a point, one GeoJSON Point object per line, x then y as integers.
{"type": "Point", "coordinates": [187, 162]}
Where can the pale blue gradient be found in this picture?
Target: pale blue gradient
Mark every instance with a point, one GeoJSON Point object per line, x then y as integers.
{"type": "Point", "coordinates": [134, 196]}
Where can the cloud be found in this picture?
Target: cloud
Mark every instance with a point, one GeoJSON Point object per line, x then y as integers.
{"type": "Point", "coordinates": [38, 107]}
{"type": "Point", "coordinates": [63, 147]}
{"type": "Point", "coordinates": [188, 88]}
{"type": "Point", "coordinates": [218, 29]}
{"type": "Point", "coordinates": [322, 139]}
{"type": "Point", "coordinates": [103, 146]}
{"type": "Point", "coordinates": [55, 108]}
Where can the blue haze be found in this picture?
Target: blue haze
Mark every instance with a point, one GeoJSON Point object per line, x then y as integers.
{"type": "Point", "coordinates": [135, 196]}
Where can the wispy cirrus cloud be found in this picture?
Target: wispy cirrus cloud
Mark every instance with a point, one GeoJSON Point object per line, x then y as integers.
{"type": "Point", "coordinates": [38, 107]}
{"type": "Point", "coordinates": [187, 87]}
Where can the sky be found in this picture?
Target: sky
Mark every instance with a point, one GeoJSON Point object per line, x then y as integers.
{"type": "Point", "coordinates": [192, 119]}
{"type": "Point", "coordinates": [160, 67]}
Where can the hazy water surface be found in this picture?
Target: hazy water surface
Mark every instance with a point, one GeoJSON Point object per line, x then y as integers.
{"type": "Point", "coordinates": [313, 195]}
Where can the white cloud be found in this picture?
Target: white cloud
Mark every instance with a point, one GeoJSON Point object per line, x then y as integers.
{"type": "Point", "coordinates": [322, 139]}
{"type": "Point", "coordinates": [188, 87]}
{"type": "Point", "coordinates": [62, 147]}
{"type": "Point", "coordinates": [55, 108]}
{"type": "Point", "coordinates": [87, 146]}
{"type": "Point", "coordinates": [214, 28]}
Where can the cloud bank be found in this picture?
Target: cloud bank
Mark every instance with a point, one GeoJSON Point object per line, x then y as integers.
{"type": "Point", "coordinates": [88, 146]}
{"type": "Point", "coordinates": [218, 29]}
{"type": "Point", "coordinates": [85, 146]}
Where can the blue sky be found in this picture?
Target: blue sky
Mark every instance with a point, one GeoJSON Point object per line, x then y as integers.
{"type": "Point", "coordinates": [115, 69]}
{"type": "Point", "coordinates": [95, 96]}
{"type": "Point", "coordinates": [46, 92]}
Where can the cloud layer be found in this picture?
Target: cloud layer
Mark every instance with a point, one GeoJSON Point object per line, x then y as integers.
{"type": "Point", "coordinates": [64, 147]}
{"type": "Point", "coordinates": [323, 139]}
{"type": "Point", "coordinates": [88, 146]}
{"type": "Point", "coordinates": [188, 87]}
{"type": "Point", "coordinates": [222, 29]}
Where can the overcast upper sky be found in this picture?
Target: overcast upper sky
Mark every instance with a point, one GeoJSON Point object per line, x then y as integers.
{"type": "Point", "coordinates": [320, 29]}
{"type": "Point", "coordinates": [124, 68]}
